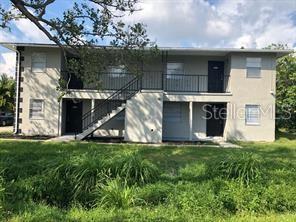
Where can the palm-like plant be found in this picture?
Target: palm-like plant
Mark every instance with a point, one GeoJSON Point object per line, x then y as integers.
{"type": "Point", "coordinates": [7, 93]}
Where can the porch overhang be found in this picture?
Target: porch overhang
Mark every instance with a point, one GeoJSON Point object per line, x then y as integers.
{"type": "Point", "coordinates": [197, 97]}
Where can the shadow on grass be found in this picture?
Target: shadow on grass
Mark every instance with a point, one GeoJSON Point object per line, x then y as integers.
{"type": "Point", "coordinates": [283, 134]}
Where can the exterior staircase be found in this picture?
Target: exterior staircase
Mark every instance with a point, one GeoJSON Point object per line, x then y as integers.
{"type": "Point", "coordinates": [107, 109]}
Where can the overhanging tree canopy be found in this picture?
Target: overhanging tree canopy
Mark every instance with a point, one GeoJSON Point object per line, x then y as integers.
{"type": "Point", "coordinates": [78, 31]}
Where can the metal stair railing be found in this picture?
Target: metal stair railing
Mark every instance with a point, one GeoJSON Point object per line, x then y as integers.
{"type": "Point", "coordinates": [114, 101]}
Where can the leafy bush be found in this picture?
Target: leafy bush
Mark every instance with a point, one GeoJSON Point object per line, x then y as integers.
{"type": "Point", "coordinates": [154, 194]}
{"type": "Point", "coordinates": [116, 193]}
{"type": "Point", "coordinates": [244, 168]}
{"type": "Point", "coordinates": [133, 168]}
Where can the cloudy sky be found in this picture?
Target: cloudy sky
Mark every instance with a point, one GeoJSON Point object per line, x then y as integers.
{"type": "Point", "coordinates": [189, 23]}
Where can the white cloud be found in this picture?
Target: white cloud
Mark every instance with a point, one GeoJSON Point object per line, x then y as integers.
{"type": "Point", "coordinates": [6, 36]}
{"type": "Point", "coordinates": [22, 31]}
{"type": "Point", "coordinates": [196, 23]}
{"type": "Point", "coordinates": [228, 23]}
{"type": "Point", "coordinates": [218, 28]}
{"type": "Point", "coordinates": [29, 32]}
{"type": "Point", "coordinates": [7, 63]}
{"type": "Point", "coordinates": [246, 41]}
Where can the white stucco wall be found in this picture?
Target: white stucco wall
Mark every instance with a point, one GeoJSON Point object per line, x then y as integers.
{"type": "Point", "coordinates": [41, 85]}
{"type": "Point", "coordinates": [253, 91]}
{"type": "Point", "coordinates": [144, 111]}
{"type": "Point", "coordinates": [199, 122]}
{"type": "Point", "coordinates": [113, 128]}
{"type": "Point", "coordinates": [143, 118]}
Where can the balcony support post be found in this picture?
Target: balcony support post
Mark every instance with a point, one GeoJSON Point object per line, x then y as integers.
{"type": "Point", "coordinates": [190, 120]}
{"type": "Point", "coordinates": [92, 110]}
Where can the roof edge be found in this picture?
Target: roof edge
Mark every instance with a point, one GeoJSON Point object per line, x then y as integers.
{"type": "Point", "coordinates": [279, 52]}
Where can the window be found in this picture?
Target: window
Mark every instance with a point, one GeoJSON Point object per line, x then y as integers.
{"type": "Point", "coordinates": [172, 112]}
{"type": "Point", "coordinates": [117, 71]}
{"type": "Point", "coordinates": [253, 67]}
{"type": "Point", "coordinates": [252, 115]}
{"type": "Point", "coordinates": [36, 109]}
{"type": "Point", "coordinates": [175, 70]}
{"type": "Point", "coordinates": [38, 62]}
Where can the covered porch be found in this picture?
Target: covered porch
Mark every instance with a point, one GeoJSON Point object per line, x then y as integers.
{"type": "Point", "coordinates": [181, 121]}
{"type": "Point", "coordinates": [193, 121]}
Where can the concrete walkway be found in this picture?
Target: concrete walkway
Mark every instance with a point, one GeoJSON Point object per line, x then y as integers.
{"type": "Point", "coordinates": [225, 144]}
{"type": "Point", "coordinates": [220, 143]}
{"type": "Point", "coordinates": [65, 138]}
{"type": "Point", "coordinates": [6, 129]}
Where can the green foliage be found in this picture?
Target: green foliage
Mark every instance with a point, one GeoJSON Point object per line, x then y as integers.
{"type": "Point", "coordinates": [116, 193]}
{"type": "Point", "coordinates": [236, 198]}
{"type": "Point", "coordinates": [40, 212]}
{"type": "Point", "coordinates": [71, 181]}
{"type": "Point", "coordinates": [280, 197]}
{"type": "Point", "coordinates": [190, 198]}
{"type": "Point", "coordinates": [244, 168]}
{"type": "Point", "coordinates": [154, 194]}
{"type": "Point", "coordinates": [133, 168]}
{"type": "Point", "coordinates": [7, 93]}
{"type": "Point", "coordinates": [81, 182]}
{"type": "Point", "coordinates": [285, 89]}
{"type": "Point", "coordinates": [74, 180]}
{"type": "Point", "coordinates": [2, 194]}
{"type": "Point", "coordinates": [80, 28]}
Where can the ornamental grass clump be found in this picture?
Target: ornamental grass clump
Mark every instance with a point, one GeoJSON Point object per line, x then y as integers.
{"type": "Point", "coordinates": [115, 193]}
{"type": "Point", "coordinates": [133, 168]}
{"type": "Point", "coordinates": [245, 168]}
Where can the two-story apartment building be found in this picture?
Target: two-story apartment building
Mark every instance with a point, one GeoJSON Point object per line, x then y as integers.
{"type": "Point", "coordinates": [187, 94]}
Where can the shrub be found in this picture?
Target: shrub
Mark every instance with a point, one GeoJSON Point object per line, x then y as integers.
{"type": "Point", "coordinates": [116, 193]}
{"type": "Point", "coordinates": [133, 168]}
{"type": "Point", "coordinates": [155, 193]}
{"type": "Point", "coordinates": [244, 168]}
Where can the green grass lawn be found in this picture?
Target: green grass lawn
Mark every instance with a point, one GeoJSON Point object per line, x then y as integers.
{"type": "Point", "coordinates": [94, 182]}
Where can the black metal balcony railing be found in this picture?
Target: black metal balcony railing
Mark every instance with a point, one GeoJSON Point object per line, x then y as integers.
{"type": "Point", "coordinates": [194, 83]}
{"type": "Point", "coordinates": [160, 81]}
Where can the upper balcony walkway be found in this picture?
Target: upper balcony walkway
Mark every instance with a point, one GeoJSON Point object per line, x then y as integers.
{"type": "Point", "coordinates": [178, 83]}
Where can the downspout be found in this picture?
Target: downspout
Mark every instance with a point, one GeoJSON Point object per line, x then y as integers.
{"type": "Point", "coordinates": [16, 126]}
